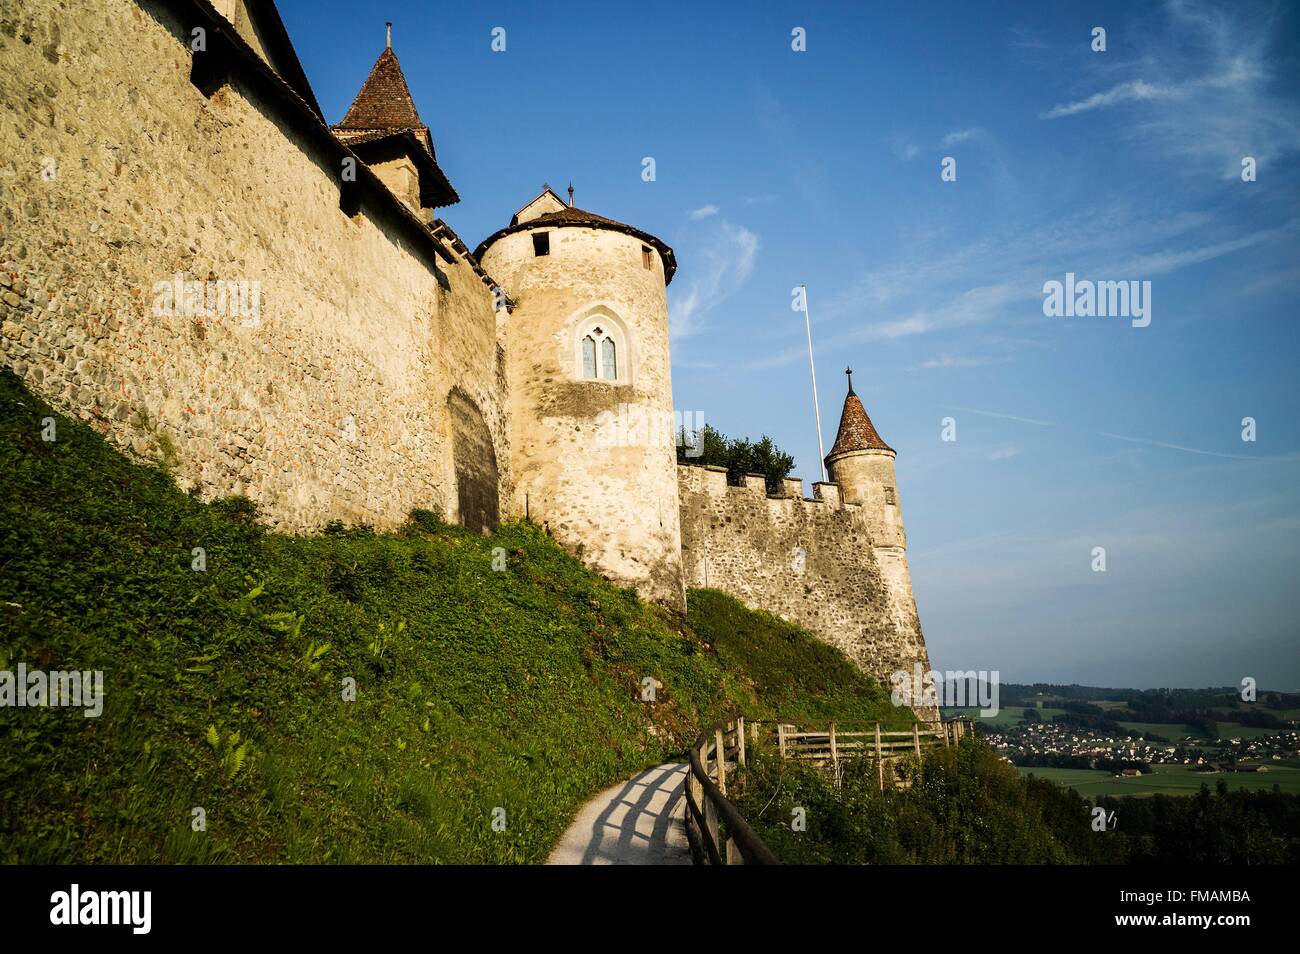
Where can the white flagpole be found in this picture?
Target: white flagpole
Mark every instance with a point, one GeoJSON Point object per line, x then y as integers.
{"type": "Point", "coordinates": [807, 323]}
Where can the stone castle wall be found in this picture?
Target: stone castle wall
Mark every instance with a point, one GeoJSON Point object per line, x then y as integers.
{"type": "Point", "coordinates": [334, 401]}
{"type": "Point", "coordinates": [812, 562]}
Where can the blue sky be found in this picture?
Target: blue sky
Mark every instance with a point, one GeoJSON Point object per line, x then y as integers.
{"type": "Point", "coordinates": [775, 168]}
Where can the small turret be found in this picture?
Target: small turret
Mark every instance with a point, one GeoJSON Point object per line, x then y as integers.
{"type": "Point", "coordinates": [384, 129]}
{"type": "Point", "coordinates": [863, 465]}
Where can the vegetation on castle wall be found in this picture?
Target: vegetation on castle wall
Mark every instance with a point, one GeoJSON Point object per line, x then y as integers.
{"type": "Point", "coordinates": [739, 455]}
{"type": "Point", "coordinates": [476, 689]}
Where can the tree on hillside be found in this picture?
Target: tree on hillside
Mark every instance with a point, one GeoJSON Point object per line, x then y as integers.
{"type": "Point", "coordinates": [739, 455]}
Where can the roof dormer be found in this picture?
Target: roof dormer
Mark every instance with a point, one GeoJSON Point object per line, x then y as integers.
{"type": "Point", "coordinates": [545, 203]}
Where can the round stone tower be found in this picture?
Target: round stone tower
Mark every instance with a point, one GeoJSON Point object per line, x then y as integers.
{"type": "Point", "coordinates": [591, 408]}
{"type": "Point", "coordinates": [863, 465]}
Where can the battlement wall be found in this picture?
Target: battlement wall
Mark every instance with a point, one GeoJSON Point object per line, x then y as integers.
{"type": "Point", "coordinates": [812, 562]}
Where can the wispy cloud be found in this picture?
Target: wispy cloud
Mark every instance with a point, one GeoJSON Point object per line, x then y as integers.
{"type": "Point", "coordinates": [1022, 39]}
{"type": "Point", "coordinates": [1177, 447]}
{"type": "Point", "coordinates": [949, 361]}
{"type": "Point", "coordinates": [1005, 417]}
{"type": "Point", "coordinates": [1160, 263]}
{"type": "Point", "coordinates": [903, 149]}
{"type": "Point", "coordinates": [777, 359]}
{"type": "Point", "coordinates": [1119, 437]}
{"type": "Point", "coordinates": [1123, 93]}
{"type": "Point", "coordinates": [1204, 89]}
{"type": "Point", "coordinates": [948, 287]}
{"type": "Point", "coordinates": [907, 149]}
{"type": "Point", "coordinates": [722, 262]}
{"type": "Point", "coordinates": [959, 136]}
{"type": "Point", "coordinates": [703, 212]}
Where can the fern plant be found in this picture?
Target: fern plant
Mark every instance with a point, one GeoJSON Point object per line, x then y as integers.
{"type": "Point", "coordinates": [311, 657]}
{"type": "Point", "coordinates": [233, 754]}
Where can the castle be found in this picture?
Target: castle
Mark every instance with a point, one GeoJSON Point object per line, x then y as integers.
{"type": "Point", "coordinates": [162, 158]}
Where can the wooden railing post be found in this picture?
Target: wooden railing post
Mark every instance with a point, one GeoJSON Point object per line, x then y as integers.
{"type": "Point", "coordinates": [835, 757]}
{"type": "Point", "coordinates": [711, 822]}
{"type": "Point", "coordinates": [722, 762]}
{"type": "Point", "coordinates": [780, 737]}
{"type": "Point", "coordinates": [740, 741]}
{"type": "Point", "coordinates": [880, 762]}
{"type": "Point", "coordinates": [916, 738]}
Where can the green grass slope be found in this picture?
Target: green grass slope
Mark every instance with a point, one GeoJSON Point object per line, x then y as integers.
{"type": "Point", "coordinates": [480, 694]}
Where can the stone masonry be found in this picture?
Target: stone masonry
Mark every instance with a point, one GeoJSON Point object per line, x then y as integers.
{"type": "Point", "coordinates": [809, 561]}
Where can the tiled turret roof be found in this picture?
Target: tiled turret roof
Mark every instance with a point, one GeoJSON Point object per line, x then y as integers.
{"type": "Point", "coordinates": [581, 217]}
{"type": "Point", "coordinates": [383, 118]}
{"type": "Point", "coordinates": [856, 430]}
{"type": "Point", "coordinates": [384, 101]}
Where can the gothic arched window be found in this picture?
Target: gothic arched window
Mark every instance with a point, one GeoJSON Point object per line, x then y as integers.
{"type": "Point", "coordinates": [600, 355]}
{"type": "Point", "coordinates": [608, 360]}
{"type": "Point", "coordinates": [603, 349]}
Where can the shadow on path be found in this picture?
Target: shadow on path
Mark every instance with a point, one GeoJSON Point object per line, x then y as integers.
{"type": "Point", "coordinates": [638, 822]}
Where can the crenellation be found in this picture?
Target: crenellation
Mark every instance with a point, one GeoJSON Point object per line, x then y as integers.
{"type": "Point", "coordinates": [827, 493]}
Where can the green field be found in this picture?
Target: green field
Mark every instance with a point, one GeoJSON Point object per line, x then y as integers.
{"type": "Point", "coordinates": [1165, 730]}
{"type": "Point", "coordinates": [1166, 779]}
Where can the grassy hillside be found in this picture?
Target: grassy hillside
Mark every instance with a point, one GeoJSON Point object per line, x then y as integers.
{"type": "Point", "coordinates": [476, 689]}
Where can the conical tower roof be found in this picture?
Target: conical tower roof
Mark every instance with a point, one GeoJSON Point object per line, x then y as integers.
{"type": "Point", "coordinates": [856, 430]}
{"type": "Point", "coordinates": [384, 106]}
{"type": "Point", "coordinates": [385, 100]}
{"type": "Point", "coordinates": [382, 122]}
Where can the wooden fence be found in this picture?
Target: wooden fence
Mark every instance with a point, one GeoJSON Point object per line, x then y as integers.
{"type": "Point", "coordinates": [836, 744]}
{"type": "Point", "coordinates": [718, 834]}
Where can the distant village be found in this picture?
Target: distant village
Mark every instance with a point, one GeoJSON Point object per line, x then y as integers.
{"type": "Point", "coordinates": [1059, 745]}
